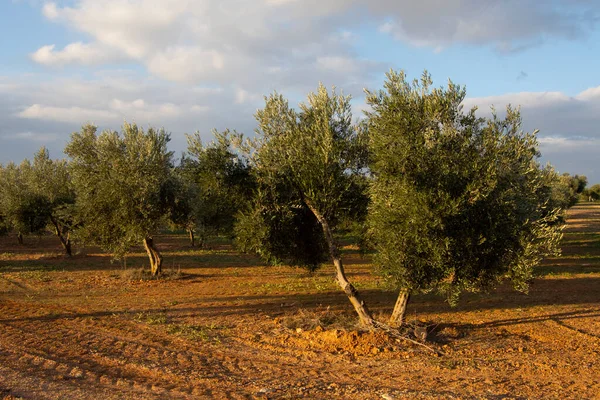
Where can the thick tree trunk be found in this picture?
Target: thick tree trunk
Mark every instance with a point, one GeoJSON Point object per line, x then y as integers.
{"type": "Point", "coordinates": [397, 318]}
{"type": "Point", "coordinates": [20, 238]}
{"type": "Point", "coordinates": [64, 236]}
{"type": "Point", "coordinates": [154, 256]}
{"type": "Point", "coordinates": [360, 307]}
{"type": "Point", "coordinates": [192, 239]}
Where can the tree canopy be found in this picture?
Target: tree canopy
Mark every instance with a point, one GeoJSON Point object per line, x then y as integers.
{"type": "Point", "coordinates": [303, 162]}
{"type": "Point", "coordinates": [122, 183]}
{"type": "Point", "coordinates": [217, 184]}
{"type": "Point", "coordinates": [50, 179]}
{"type": "Point", "coordinates": [24, 209]}
{"type": "Point", "coordinates": [457, 202]}
{"type": "Point", "coordinates": [567, 189]}
{"type": "Point", "coordinates": [594, 192]}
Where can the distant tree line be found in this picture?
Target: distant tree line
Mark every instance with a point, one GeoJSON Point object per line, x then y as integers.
{"type": "Point", "coordinates": [446, 200]}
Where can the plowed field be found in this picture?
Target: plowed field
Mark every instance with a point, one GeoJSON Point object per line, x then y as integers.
{"type": "Point", "coordinates": [222, 325]}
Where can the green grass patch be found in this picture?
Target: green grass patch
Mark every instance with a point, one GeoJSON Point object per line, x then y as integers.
{"type": "Point", "coordinates": [204, 333]}
{"type": "Point", "coordinates": [308, 284]}
{"type": "Point", "coordinates": [159, 318]}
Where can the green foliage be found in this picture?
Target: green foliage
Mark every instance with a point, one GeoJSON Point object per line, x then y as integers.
{"type": "Point", "coordinates": [567, 190]}
{"type": "Point", "coordinates": [594, 192]}
{"type": "Point", "coordinates": [314, 148]}
{"type": "Point", "coordinates": [457, 202]}
{"type": "Point", "coordinates": [122, 184]}
{"type": "Point", "coordinates": [281, 229]}
{"type": "Point", "coordinates": [50, 180]}
{"type": "Point", "coordinates": [183, 192]}
{"type": "Point", "coordinates": [579, 183]}
{"type": "Point", "coordinates": [217, 183]}
{"type": "Point", "coordinates": [301, 158]}
{"type": "Point", "coordinates": [25, 206]}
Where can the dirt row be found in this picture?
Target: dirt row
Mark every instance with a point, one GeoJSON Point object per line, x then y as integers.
{"type": "Point", "coordinates": [230, 328]}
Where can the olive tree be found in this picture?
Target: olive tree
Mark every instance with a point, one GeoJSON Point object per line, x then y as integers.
{"type": "Point", "coordinates": [37, 194]}
{"type": "Point", "coordinates": [303, 162]}
{"type": "Point", "coordinates": [49, 179]}
{"type": "Point", "coordinates": [568, 188]}
{"type": "Point", "coordinates": [217, 182]}
{"type": "Point", "coordinates": [457, 202]}
{"type": "Point", "coordinates": [593, 192]}
{"type": "Point", "coordinates": [122, 185]}
{"type": "Point", "coordinates": [182, 211]}
{"type": "Point", "coordinates": [23, 209]}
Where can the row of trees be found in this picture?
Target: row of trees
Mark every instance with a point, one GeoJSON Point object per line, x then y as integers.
{"type": "Point", "coordinates": [446, 200]}
{"type": "Point", "coordinates": [592, 193]}
{"type": "Point", "coordinates": [569, 189]}
{"type": "Point", "coordinates": [37, 194]}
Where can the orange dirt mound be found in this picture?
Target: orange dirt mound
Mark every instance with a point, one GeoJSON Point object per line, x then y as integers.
{"type": "Point", "coordinates": [340, 341]}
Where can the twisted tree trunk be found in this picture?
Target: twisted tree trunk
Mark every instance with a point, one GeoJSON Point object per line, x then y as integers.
{"type": "Point", "coordinates": [64, 235]}
{"type": "Point", "coordinates": [397, 318]}
{"type": "Point", "coordinates": [154, 257]}
{"type": "Point", "coordinates": [364, 315]}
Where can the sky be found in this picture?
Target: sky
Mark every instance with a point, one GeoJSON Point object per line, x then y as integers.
{"type": "Point", "coordinates": [198, 65]}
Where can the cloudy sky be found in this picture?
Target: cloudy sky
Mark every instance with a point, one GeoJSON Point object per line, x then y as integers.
{"type": "Point", "coordinates": [195, 65]}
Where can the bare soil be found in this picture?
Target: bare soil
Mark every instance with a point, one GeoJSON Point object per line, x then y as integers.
{"type": "Point", "coordinates": [223, 325]}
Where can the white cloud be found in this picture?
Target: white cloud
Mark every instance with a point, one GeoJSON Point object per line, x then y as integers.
{"type": "Point", "coordinates": [523, 99]}
{"type": "Point", "coordinates": [140, 111]}
{"type": "Point", "coordinates": [79, 53]}
{"type": "Point", "coordinates": [280, 2]}
{"type": "Point", "coordinates": [242, 96]}
{"type": "Point", "coordinates": [186, 64]}
{"type": "Point", "coordinates": [50, 11]}
{"type": "Point", "coordinates": [589, 94]}
{"type": "Point", "coordinates": [135, 27]}
{"type": "Point", "coordinates": [554, 113]}
{"type": "Point", "coordinates": [223, 41]}
{"type": "Point", "coordinates": [66, 114]}
{"type": "Point", "coordinates": [573, 155]}
{"type": "Point", "coordinates": [337, 63]}
{"type": "Point", "coordinates": [228, 40]}
{"type": "Point", "coordinates": [115, 110]}
{"type": "Point", "coordinates": [31, 136]}
{"type": "Point", "coordinates": [210, 61]}
{"type": "Point", "coordinates": [557, 144]}
{"type": "Point", "coordinates": [509, 25]}
{"type": "Point", "coordinates": [569, 126]}
{"type": "Point", "coordinates": [62, 105]}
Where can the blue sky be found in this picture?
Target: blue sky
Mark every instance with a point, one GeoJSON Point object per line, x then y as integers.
{"type": "Point", "coordinates": [198, 65]}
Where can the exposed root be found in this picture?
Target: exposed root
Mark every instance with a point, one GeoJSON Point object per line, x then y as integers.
{"type": "Point", "coordinates": [396, 333]}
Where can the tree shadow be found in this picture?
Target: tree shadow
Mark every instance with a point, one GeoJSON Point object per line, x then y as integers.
{"type": "Point", "coordinates": [93, 260]}
{"type": "Point", "coordinates": [567, 269]}
{"type": "Point", "coordinates": [542, 292]}
{"type": "Point", "coordinates": [584, 291]}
